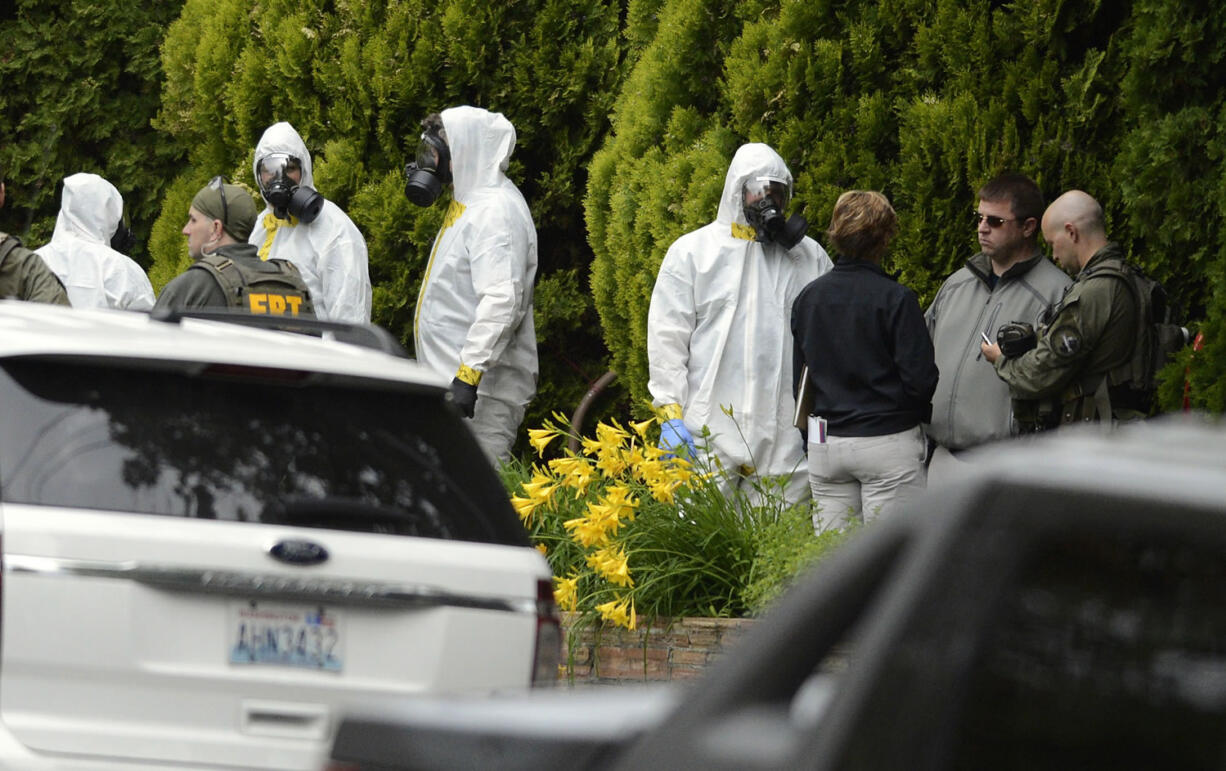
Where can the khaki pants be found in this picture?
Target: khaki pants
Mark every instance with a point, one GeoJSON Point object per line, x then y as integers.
{"type": "Point", "coordinates": [858, 478]}
{"type": "Point", "coordinates": [495, 423]}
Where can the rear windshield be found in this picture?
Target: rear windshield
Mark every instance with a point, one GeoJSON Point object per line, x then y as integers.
{"type": "Point", "coordinates": [233, 447]}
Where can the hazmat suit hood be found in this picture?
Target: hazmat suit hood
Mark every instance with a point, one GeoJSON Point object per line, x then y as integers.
{"type": "Point", "coordinates": [329, 251]}
{"type": "Point", "coordinates": [93, 274]}
{"type": "Point", "coordinates": [751, 160]}
{"type": "Point", "coordinates": [481, 143]}
{"type": "Point", "coordinates": [282, 138]}
{"type": "Point", "coordinates": [90, 209]}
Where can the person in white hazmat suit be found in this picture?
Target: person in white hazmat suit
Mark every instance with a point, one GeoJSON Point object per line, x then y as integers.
{"type": "Point", "coordinates": [473, 321]}
{"type": "Point", "coordinates": [302, 226]}
{"type": "Point", "coordinates": [719, 341]}
{"type": "Point", "coordinates": [82, 254]}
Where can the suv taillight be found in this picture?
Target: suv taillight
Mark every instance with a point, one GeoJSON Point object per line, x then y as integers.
{"type": "Point", "coordinates": [548, 654]}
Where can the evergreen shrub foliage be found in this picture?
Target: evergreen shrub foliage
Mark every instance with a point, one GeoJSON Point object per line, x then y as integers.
{"type": "Point", "coordinates": [78, 83]}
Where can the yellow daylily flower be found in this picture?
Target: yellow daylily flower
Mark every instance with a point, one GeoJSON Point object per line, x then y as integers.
{"type": "Point", "coordinates": [524, 507]}
{"type": "Point", "coordinates": [540, 439]}
{"type": "Point", "coordinates": [587, 532]}
{"type": "Point", "coordinates": [566, 592]}
{"type": "Point", "coordinates": [611, 436]}
{"type": "Point", "coordinates": [590, 446]}
{"type": "Point", "coordinates": [620, 612]}
{"type": "Point", "coordinates": [604, 516]}
{"type": "Point", "coordinates": [663, 490]}
{"type": "Point", "coordinates": [610, 463]}
{"type": "Point", "coordinates": [612, 564]}
{"type": "Point", "coordinates": [620, 502]}
{"type": "Point", "coordinates": [641, 428]}
{"type": "Point", "coordinates": [575, 473]}
{"type": "Point", "coordinates": [541, 488]}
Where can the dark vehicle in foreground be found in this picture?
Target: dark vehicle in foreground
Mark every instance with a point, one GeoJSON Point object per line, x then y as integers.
{"type": "Point", "coordinates": [1062, 606]}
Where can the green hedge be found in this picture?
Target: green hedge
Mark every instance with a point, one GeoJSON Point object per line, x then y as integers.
{"type": "Point", "coordinates": [78, 83]}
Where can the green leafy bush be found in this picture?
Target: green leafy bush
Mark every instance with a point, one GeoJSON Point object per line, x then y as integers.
{"type": "Point", "coordinates": [78, 84]}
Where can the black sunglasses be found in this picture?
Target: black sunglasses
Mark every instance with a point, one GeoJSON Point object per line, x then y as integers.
{"type": "Point", "coordinates": [218, 183]}
{"type": "Point", "coordinates": [993, 221]}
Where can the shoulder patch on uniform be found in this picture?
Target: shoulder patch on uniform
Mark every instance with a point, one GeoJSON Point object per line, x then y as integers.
{"type": "Point", "coordinates": [1067, 342]}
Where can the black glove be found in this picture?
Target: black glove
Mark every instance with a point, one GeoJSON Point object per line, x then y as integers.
{"type": "Point", "coordinates": [1016, 338]}
{"type": "Point", "coordinates": [464, 396]}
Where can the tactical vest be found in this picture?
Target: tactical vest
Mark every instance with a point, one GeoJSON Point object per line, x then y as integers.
{"type": "Point", "coordinates": [280, 293]}
{"type": "Point", "coordinates": [1132, 384]}
{"type": "Point", "coordinates": [1125, 392]}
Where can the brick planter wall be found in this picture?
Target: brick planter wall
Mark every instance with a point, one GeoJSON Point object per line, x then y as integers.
{"type": "Point", "coordinates": [669, 649]}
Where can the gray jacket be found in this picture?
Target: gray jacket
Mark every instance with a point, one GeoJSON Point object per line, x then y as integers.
{"type": "Point", "coordinates": [971, 405]}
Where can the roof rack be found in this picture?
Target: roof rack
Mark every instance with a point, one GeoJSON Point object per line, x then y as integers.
{"type": "Point", "coordinates": [364, 335]}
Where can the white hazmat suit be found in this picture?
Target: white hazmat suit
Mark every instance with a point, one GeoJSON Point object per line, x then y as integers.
{"type": "Point", "coordinates": [719, 334]}
{"type": "Point", "coordinates": [80, 253]}
{"type": "Point", "coordinates": [474, 312]}
{"type": "Point", "coordinates": [329, 252]}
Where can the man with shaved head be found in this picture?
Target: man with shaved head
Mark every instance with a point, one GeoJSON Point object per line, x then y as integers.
{"type": "Point", "coordinates": [1090, 332]}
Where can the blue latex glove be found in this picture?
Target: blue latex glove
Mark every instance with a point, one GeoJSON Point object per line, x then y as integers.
{"type": "Point", "coordinates": [674, 435]}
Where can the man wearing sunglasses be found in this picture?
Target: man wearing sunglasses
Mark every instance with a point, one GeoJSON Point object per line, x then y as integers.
{"type": "Point", "coordinates": [228, 271]}
{"type": "Point", "coordinates": [1008, 280]}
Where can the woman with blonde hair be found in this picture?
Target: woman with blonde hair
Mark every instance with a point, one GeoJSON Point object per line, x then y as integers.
{"type": "Point", "coordinates": [871, 369]}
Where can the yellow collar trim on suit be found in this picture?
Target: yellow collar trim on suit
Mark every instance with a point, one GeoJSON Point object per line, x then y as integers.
{"type": "Point", "coordinates": [271, 223]}
{"type": "Point", "coordinates": [454, 212]}
{"type": "Point", "coordinates": [745, 232]}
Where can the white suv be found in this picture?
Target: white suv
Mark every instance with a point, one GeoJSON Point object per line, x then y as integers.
{"type": "Point", "coordinates": [215, 539]}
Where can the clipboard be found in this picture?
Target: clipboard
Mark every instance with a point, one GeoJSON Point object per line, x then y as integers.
{"type": "Point", "coordinates": [804, 401]}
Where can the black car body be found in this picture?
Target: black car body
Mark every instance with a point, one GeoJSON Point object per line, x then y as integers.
{"type": "Point", "coordinates": [1063, 605]}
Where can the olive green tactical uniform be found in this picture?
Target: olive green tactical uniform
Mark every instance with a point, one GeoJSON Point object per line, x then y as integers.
{"type": "Point", "coordinates": [25, 276]}
{"type": "Point", "coordinates": [1091, 331]}
{"type": "Point", "coordinates": [234, 276]}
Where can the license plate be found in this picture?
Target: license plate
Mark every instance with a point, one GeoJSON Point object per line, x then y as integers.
{"type": "Point", "coordinates": [285, 635]}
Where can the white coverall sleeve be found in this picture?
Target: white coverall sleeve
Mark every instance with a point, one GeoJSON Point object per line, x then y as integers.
{"type": "Point", "coordinates": [498, 259]}
{"type": "Point", "coordinates": [129, 289]}
{"type": "Point", "coordinates": [345, 276]}
{"type": "Point", "coordinates": [670, 325]}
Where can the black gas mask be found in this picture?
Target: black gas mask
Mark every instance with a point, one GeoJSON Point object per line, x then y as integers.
{"type": "Point", "coordinates": [122, 239]}
{"type": "Point", "coordinates": [765, 201]}
{"type": "Point", "coordinates": [427, 174]}
{"type": "Point", "coordinates": [279, 176]}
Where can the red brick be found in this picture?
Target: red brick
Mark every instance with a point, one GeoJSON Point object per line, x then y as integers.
{"type": "Point", "coordinates": [703, 638]}
{"type": "Point", "coordinates": [695, 658]}
{"type": "Point", "coordinates": [685, 673]}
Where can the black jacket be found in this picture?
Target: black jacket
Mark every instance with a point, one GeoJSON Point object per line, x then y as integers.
{"type": "Point", "coordinates": [863, 336]}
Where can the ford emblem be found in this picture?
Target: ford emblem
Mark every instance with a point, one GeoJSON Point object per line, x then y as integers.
{"type": "Point", "coordinates": [296, 552]}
